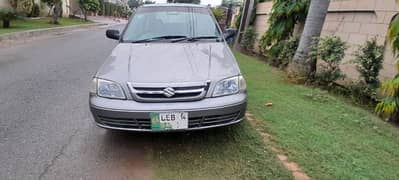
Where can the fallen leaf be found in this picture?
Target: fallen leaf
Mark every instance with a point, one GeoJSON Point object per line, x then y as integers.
{"type": "Point", "coordinates": [269, 104]}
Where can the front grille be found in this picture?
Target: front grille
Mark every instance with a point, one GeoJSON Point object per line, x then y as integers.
{"type": "Point", "coordinates": [168, 94]}
{"type": "Point", "coordinates": [212, 120]}
{"type": "Point", "coordinates": [145, 124]}
{"type": "Point", "coordinates": [126, 123]}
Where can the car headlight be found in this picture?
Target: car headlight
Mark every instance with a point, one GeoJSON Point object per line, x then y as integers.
{"type": "Point", "coordinates": [93, 86]}
{"type": "Point", "coordinates": [229, 86]}
{"type": "Point", "coordinates": [107, 89]}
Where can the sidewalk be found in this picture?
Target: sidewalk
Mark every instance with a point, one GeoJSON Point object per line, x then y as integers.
{"type": "Point", "coordinates": [23, 36]}
{"type": "Point", "coordinates": [107, 20]}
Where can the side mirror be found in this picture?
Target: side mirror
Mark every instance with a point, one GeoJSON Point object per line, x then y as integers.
{"type": "Point", "coordinates": [112, 34]}
{"type": "Point", "coordinates": [229, 34]}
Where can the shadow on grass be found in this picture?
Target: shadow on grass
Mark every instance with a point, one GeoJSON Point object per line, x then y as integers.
{"type": "Point", "coordinates": [164, 140]}
{"type": "Point", "coordinates": [235, 152]}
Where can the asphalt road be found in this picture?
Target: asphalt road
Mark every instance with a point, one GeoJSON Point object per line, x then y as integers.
{"type": "Point", "coordinates": [46, 130]}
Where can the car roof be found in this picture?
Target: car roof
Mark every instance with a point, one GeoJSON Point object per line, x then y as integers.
{"type": "Point", "coordinates": [175, 5]}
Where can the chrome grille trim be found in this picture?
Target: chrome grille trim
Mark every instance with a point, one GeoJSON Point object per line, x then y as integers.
{"type": "Point", "coordinates": [157, 94]}
{"type": "Point", "coordinates": [161, 92]}
{"type": "Point", "coordinates": [193, 122]}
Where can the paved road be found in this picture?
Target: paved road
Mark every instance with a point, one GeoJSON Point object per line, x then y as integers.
{"type": "Point", "coordinates": [46, 130]}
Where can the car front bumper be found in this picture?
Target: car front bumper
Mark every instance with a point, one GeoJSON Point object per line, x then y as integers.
{"type": "Point", "coordinates": [129, 115]}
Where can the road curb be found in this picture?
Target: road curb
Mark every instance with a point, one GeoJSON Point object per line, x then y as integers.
{"type": "Point", "coordinates": [47, 31]}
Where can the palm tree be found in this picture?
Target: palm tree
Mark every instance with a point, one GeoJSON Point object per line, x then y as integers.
{"type": "Point", "coordinates": [393, 34]}
{"type": "Point", "coordinates": [301, 67]}
{"type": "Point", "coordinates": [389, 106]}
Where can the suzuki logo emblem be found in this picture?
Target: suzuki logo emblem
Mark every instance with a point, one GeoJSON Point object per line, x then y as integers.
{"type": "Point", "coordinates": [168, 92]}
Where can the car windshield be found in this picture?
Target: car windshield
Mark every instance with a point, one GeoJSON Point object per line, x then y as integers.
{"type": "Point", "coordinates": [151, 24]}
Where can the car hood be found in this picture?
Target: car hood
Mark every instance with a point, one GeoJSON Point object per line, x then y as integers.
{"type": "Point", "coordinates": [168, 63]}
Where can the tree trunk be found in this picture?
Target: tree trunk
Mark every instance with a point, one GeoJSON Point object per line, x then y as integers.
{"type": "Point", "coordinates": [6, 23]}
{"type": "Point", "coordinates": [56, 12]}
{"type": "Point", "coordinates": [85, 14]}
{"type": "Point", "coordinates": [301, 67]}
{"type": "Point", "coordinates": [49, 11]}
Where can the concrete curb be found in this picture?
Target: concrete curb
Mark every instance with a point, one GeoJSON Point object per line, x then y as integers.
{"type": "Point", "coordinates": [47, 31]}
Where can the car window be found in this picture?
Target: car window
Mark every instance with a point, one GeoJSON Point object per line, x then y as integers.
{"type": "Point", "coordinates": [151, 22]}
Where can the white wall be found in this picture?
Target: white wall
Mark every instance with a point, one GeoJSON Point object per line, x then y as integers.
{"type": "Point", "coordinates": [356, 21]}
{"type": "Point", "coordinates": [4, 4]}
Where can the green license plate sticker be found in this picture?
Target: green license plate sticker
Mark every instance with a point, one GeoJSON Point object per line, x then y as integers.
{"type": "Point", "coordinates": [169, 121]}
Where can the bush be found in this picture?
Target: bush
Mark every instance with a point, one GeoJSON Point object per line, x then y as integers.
{"type": "Point", "coordinates": [369, 58]}
{"type": "Point", "coordinates": [35, 11]}
{"type": "Point", "coordinates": [88, 6]}
{"type": "Point", "coordinates": [282, 19]}
{"type": "Point", "coordinates": [24, 7]}
{"type": "Point", "coordinates": [282, 53]}
{"type": "Point", "coordinates": [107, 9]}
{"type": "Point", "coordinates": [6, 16]}
{"type": "Point", "coordinates": [389, 106]}
{"type": "Point", "coordinates": [237, 20]}
{"type": "Point", "coordinates": [273, 53]}
{"type": "Point", "coordinates": [101, 10]}
{"type": "Point", "coordinates": [249, 39]}
{"type": "Point", "coordinates": [218, 13]}
{"type": "Point", "coordinates": [363, 93]}
{"type": "Point", "coordinates": [331, 50]}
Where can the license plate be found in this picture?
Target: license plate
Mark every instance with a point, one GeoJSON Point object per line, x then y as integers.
{"type": "Point", "coordinates": [169, 121]}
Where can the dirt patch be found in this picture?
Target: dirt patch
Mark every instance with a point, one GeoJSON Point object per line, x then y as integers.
{"type": "Point", "coordinates": [290, 165]}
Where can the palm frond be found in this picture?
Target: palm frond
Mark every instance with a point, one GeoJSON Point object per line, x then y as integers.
{"type": "Point", "coordinates": [387, 107]}
{"type": "Point", "coordinates": [285, 14]}
{"type": "Point", "coordinates": [390, 87]}
{"type": "Point", "coordinates": [393, 34]}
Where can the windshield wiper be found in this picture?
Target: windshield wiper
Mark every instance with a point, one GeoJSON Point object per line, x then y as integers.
{"type": "Point", "coordinates": [192, 39]}
{"type": "Point", "coordinates": [158, 39]}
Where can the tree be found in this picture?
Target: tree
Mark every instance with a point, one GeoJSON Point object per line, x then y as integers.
{"type": "Point", "coordinates": [54, 5]}
{"type": "Point", "coordinates": [133, 4]}
{"type": "Point", "coordinates": [218, 13]}
{"type": "Point", "coordinates": [13, 4]}
{"type": "Point", "coordinates": [285, 14]}
{"type": "Point", "coordinates": [393, 34]}
{"type": "Point", "coordinates": [389, 106]}
{"type": "Point", "coordinates": [369, 59]}
{"type": "Point", "coordinates": [149, 2]}
{"type": "Point", "coordinates": [88, 5]}
{"type": "Point", "coordinates": [6, 16]}
{"type": "Point", "coordinates": [301, 66]}
{"type": "Point", "coordinates": [185, 1]}
{"type": "Point", "coordinates": [226, 3]}
{"type": "Point", "coordinates": [22, 7]}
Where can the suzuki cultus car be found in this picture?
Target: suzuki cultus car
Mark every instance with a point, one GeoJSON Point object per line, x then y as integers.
{"type": "Point", "coordinates": [171, 71]}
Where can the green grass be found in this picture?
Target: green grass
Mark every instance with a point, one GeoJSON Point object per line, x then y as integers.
{"type": "Point", "coordinates": [327, 137]}
{"type": "Point", "coordinates": [30, 24]}
{"type": "Point", "coordinates": [235, 152]}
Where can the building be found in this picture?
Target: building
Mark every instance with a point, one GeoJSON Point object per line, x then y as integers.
{"type": "Point", "coordinates": [355, 22]}
{"type": "Point", "coordinates": [4, 4]}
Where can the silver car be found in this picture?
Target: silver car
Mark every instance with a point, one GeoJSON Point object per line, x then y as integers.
{"type": "Point", "coordinates": [171, 71]}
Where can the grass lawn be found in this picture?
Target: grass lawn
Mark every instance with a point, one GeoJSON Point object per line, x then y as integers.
{"type": "Point", "coordinates": [235, 152]}
{"type": "Point", "coordinates": [328, 138]}
{"type": "Point", "coordinates": [30, 24]}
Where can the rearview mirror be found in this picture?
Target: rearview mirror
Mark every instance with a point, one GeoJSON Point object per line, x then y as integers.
{"type": "Point", "coordinates": [112, 34]}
